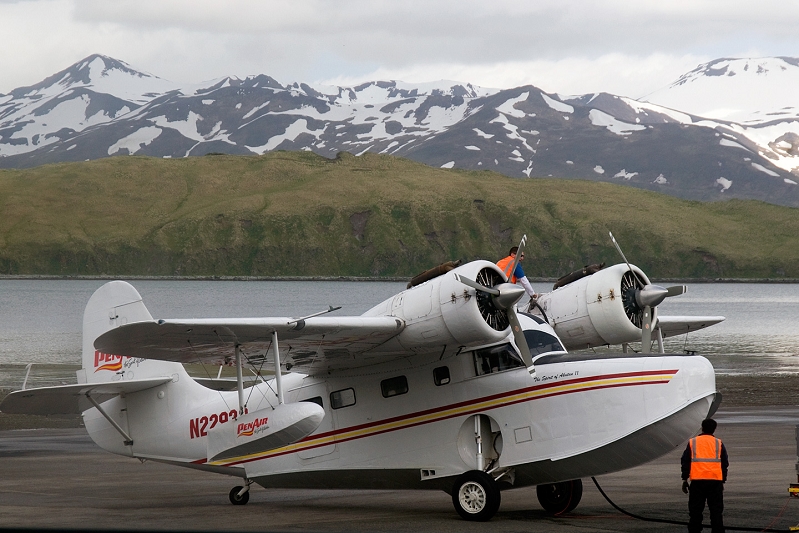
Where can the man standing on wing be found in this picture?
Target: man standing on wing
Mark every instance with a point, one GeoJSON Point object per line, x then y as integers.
{"type": "Point", "coordinates": [517, 276]}
{"type": "Point", "coordinates": [705, 463]}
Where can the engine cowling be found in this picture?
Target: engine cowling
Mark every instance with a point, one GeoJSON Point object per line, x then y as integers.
{"type": "Point", "coordinates": [597, 310]}
{"type": "Point", "coordinates": [444, 311]}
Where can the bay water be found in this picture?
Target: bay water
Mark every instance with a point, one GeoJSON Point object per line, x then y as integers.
{"type": "Point", "coordinates": [41, 320]}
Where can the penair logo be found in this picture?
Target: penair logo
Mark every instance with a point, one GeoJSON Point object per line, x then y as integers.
{"type": "Point", "coordinates": [107, 361]}
{"type": "Point", "coordinates": [249, 429]}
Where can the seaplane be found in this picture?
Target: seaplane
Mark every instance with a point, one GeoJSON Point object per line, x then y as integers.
{"type": "Point", "coordinates": [445, 386]}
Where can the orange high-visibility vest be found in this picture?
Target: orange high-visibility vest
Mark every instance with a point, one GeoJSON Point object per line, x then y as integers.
{"type": "Point", "coordinates": [505, 264]}
{"type": "Point", "coordinates": [705, 458]}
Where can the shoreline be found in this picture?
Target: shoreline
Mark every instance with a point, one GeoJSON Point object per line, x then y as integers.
{"type": "Point", "coordinates": [109, 277]}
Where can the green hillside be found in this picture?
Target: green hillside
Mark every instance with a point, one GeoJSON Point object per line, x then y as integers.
{"type": "Point", "coordinates": [287, 214]}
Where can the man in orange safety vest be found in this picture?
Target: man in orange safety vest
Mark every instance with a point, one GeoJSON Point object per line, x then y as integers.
{"type": "Point", "coordinates": [705, 462]}
{"type": "Point", "coordinates": [517, 276]}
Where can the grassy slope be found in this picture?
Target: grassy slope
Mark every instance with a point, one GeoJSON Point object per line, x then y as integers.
{"type": "Point", "coordinates": [300, 214]}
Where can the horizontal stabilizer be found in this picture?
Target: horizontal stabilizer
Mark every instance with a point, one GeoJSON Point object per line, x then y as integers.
{"type": "Point", "coordinates": [71, 399]}
{"type": "Point", "coordinates": [677, 325]}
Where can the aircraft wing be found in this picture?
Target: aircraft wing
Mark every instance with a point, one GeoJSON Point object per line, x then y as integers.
{"type": "Point", "coordinates": [312, 344]}
{"type": "Point", "coordinates": [677, 325]}
{"type": "Point", "coordinates": [71, 399]}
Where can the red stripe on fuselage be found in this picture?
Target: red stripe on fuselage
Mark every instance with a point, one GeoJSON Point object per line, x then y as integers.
{"type": "Point", "coordinates": [469, 412]}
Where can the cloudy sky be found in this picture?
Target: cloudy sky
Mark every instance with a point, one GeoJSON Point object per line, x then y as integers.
{"type": "Point", "coordinates": [627, 47]}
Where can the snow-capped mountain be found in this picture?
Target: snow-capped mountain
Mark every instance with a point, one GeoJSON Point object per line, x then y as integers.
{"type": "Point", "coordinates": [94, 91]}
{"type": "Point", "coordinates": [747, 91]}
{"type": "Point", "coordinates": [753, 98]}
{"type": "Point", "coordinates": [101, 107]}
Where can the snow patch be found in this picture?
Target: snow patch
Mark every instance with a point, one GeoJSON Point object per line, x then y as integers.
{"type": "Point", "coordinates": [295, 129]}
{"type": "Point", "coordinates": [391, 145]}
{"type": "Point", "coordinates": [661, 180]}
{"type": "Point", "coordinates": [599, 118]}
{"type": "Point", "coordinates": [556, 105]}
{"type": "Point", "coordinates": [761, 168]}
{"type": "Point", "coordinates": [483, 134]}
{"type": "Point", "coordinates": [136, 140]}
{"type": "Point", "coordinates": [789, 182]}
{"type": "Point", "coordinates": [448, 165]}
{"type": "Point", "coordinates": [471, 147]}
{"type": "Point", "coordinates": [513, 131]}
{"type": "Point", "coordinates": [527, 170]}
{"type": "Point", "coordinates": [508, 106]}
{"type": "Point", "coordinates": [253, 111]}
{"type": "Point", "coordinates": [208, 102]}
{"type": "Point", "coordinates": [569, 162]}
{"type": "Point", "coordinates": [725, 183]}
{"type": "Point", "coordinates": [599, 170]}
{"type": "Point", "coordinates": [626, 175]}
{"type": "Point", "coordinates": [732, 144]}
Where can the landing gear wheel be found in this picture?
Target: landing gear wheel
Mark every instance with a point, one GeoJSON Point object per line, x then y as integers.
{"type": "Point", "coordinates": [235, 499]}
{"type": "Point", "coordinates": [560, 498]}
{"type": "Point", "coordinates": [475, 496]}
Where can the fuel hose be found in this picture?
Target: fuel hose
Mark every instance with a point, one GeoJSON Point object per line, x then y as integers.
{"type": "Point", "coordinates": [680, 523]}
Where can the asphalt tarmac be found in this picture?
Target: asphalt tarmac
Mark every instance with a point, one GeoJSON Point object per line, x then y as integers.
{"type": "Point", "coordinates": [58, 479]}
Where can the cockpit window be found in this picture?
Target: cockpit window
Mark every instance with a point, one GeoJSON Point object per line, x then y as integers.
{"type": "Point", "coordinates": [496, 359]}
{"type": "Point", "coordinates": [540, 342]}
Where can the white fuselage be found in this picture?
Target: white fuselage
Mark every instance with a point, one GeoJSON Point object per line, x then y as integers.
{"type": "Point", "coordinates": [570, 417]}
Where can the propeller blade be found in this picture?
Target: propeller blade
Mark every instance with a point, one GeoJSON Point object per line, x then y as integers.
{"type": "Point", "coordinates": [650, 295]}
{"type": "Point", "coordinates": [646, 331]}
{"type": "Point", "coordinates": [618, 248]}
{"type": "Point", "coordinates": [518, 336]}
{"type": "Point", "coordinates": [518, 255]}
{"type": "Point", "coordinates": [676, 290]}
{"type": "Point", "coordinates": [477, 286]}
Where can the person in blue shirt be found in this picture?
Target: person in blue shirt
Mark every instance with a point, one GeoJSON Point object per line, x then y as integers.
{"type": "Point", "coordinates": [518, 274]}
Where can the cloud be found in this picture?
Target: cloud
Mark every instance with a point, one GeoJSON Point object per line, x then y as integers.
{"type": "Point", "coordinates": [623, 46]}
{"type": "Point", "coordinates": [620, 74]}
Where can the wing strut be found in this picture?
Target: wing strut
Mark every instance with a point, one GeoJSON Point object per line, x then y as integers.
{"type": "Point", "coordinates": [128, 441]}
{"type": "Point", "coordinates": [239, 378]}
{"type": "Point", "coordinates": [277, 369]}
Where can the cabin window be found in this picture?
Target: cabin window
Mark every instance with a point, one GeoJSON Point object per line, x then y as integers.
{"type": "Point", "coordinates": [496, 359]}
{"type": "Point", "coordinates": [540, 342]}
{"type": "Point", "coordinates": [394, 386]}
{"type": "Point", "coordinates": [441, 375]}
{"type": "Point", "coordinates": [316, 399]}
{"type": "Point", "coordinates": [342, 398]}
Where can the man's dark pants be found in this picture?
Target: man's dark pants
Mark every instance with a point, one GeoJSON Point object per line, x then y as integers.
{"type": "Point", "coordinates": [711, 491]}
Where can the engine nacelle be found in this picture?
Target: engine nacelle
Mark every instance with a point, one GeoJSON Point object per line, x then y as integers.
{"type": "Point", "coordinates": [444, 311]}
{"type": "Point", "coordinates": [598, 309]}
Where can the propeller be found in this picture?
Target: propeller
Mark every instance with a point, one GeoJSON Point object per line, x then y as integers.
{"type": "Point", "coordinates": [497, 303]}
{"type": "Point", "coordinates": [518, 256]}
{"type": "Point", "coordinates": [641, 299]}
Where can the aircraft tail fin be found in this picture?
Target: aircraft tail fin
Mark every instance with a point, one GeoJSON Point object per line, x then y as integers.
{"type": "Point", "coordinates": [112, 305]}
